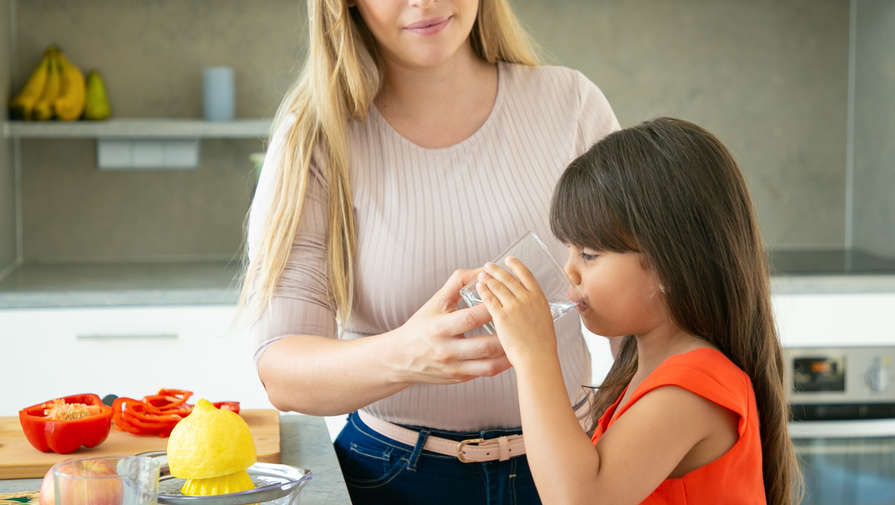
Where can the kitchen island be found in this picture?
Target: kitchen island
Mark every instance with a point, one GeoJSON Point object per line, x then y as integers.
{"type": "Point", "coordinates": [304, 442]}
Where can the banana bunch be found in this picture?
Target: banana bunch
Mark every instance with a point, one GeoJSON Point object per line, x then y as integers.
{"type": "Point", "coordinates": [56, 89]}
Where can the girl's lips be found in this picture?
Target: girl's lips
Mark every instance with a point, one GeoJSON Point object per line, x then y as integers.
{"type": "Point", "coordinates": [429, 26]}
{"type": "Point", "coordinates": [581, 307]}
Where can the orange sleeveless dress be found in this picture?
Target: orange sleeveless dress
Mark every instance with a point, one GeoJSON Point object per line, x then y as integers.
{"type": "Point", "coordinates": [735, 478]}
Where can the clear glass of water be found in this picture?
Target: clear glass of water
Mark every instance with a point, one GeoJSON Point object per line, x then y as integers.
{"type": "Point", "coordinates": [551, 277]}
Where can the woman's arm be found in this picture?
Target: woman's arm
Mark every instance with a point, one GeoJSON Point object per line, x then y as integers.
{"type": "Point", "coordinates": [325, 376]}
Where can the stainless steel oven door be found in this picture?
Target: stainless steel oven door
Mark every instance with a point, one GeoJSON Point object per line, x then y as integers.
{"type": "Point", "coordinates": [846, 462]}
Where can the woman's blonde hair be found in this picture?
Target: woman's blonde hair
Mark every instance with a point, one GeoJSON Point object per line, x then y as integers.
{"type": "Point", "coordinates": [340, 78]}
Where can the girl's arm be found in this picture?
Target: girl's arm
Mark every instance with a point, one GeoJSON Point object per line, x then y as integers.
{"type": "Point", "coordinates": [639, 451]}
{"type": "Point", "coordinates": [633, 457]}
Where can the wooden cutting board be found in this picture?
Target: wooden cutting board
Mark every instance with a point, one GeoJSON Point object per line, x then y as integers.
{"type": "Point", "coordinates": [19, 459]}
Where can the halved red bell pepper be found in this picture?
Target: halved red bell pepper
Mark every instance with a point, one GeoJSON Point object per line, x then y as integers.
{"type": "Point", "coordinates": [63, 425]}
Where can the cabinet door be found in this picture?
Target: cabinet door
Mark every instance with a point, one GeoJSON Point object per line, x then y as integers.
{"type": "Point", "coordinates": [127, 352]}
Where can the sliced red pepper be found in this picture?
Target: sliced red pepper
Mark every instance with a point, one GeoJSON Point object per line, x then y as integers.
{"type": "Point", "coordinates": [232, 406]}
{"type": "Point", "coordinates": [64, 436]}
{"type": "Point", "coordinates": [182, 411]}
{"type": "Point", "coordinates": [118, 419]}
{"type": "Point", "coordinates": [175, 392]}
{"type": "Point", "coordinates": [166, 399]}
{"type": "Point", "coordinates": [138, 411]}
{"type": "Point", "coordinates": [133, 415]}
{"type": "Point", "coordinates": [157, 414]}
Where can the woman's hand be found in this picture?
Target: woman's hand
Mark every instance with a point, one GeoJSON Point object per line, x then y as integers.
{"type": "Point", "coordinates": [519, 310]}
{"type": "Point", "coordinates": [434, 349]}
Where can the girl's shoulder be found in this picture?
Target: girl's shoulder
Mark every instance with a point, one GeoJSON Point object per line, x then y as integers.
{"type": "Point", "coordinates": [708, 373]}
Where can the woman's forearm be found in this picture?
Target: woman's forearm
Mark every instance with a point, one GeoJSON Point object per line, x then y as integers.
{"type": "Point", "coordinates": [324, 376]}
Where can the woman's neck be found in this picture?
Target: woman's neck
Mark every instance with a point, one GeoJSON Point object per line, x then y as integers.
{"type": "Point", "coordinates": [439, 106]}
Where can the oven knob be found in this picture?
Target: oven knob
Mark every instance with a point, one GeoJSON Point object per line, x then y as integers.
{"type": "Point", "coordinates": [878, 376]}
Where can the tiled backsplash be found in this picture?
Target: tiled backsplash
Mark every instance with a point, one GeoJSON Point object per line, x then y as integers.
{"type": "Point", "coordinates": [770, 78]}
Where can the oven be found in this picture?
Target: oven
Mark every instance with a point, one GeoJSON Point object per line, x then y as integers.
{"type": "Point", "coordinates": [843, 427]}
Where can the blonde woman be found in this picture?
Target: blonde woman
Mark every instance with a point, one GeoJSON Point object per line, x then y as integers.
{"type": "Point", "coordinates": [411, 122]}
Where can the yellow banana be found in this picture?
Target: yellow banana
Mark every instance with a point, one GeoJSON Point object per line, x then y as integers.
{"type": "Point", "coordinates": [43, 108]}
{"type": "Point", "coordinates": [70, 103]}
{"type": "Point", "coordinates": [21, 106]}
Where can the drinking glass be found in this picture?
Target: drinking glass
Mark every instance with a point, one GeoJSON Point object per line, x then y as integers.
{"type": "Point", "coordinates": [113, 480]}
{"type": "Point", "coordinates": [552, 279]}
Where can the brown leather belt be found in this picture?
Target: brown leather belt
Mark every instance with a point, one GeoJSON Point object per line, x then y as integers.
{"type": "Point", "coordinates": [471, 450]}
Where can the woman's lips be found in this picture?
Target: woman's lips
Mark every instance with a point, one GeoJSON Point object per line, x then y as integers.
{"type": "Point", "coordinates": [429, 26]}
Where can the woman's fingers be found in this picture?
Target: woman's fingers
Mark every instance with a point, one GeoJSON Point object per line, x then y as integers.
{"type": "Point", "coordinates": [482, 367]}
{"type": "Point", "coordinates": [462, 320]}
{"type": "Point", "coordinates": [449, 293]}
{"type": "Point", "coordinates": [478, 347]}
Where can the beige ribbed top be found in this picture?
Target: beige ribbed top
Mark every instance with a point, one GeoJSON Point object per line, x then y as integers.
{"type": "Point", "coordinates": [422, 213]}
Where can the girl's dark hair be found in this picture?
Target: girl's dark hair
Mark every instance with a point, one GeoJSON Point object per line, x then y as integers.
{"type": "Point", "coordinates": [671, 191]}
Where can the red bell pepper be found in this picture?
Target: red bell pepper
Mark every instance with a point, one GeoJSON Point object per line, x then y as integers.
{"type": "Point", "coordinates": [231, 406]}
{"type": "Point", "coordinates": [65, 424]}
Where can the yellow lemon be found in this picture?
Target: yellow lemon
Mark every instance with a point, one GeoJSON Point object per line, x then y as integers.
{"type": "Point", "coordinates": [212, 448]}
{"type": "Point", "coordinates": [233, 483]}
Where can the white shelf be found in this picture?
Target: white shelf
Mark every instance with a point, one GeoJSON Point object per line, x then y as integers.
{"type": "Point", "coordinates": [143, 128]}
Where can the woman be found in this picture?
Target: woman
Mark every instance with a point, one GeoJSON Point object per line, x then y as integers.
{"type": "Point", "coordinates": [377, 184]}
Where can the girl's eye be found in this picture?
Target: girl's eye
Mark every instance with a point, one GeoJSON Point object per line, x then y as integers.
{"type": "Point", "coordinates": [586, 256]}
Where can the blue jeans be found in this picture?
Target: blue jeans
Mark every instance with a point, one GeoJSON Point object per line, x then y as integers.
{"type": "Point", "coordinates": [382, 471]}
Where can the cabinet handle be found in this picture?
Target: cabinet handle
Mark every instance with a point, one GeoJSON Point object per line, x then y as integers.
{"type": "Point", "coordinates": [106, 337]}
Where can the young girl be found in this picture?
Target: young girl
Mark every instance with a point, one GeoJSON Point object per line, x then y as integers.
{"type": "Point", "coordinates": [665, 254]}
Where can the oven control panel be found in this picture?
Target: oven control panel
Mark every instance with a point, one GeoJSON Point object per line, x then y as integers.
{"type": "Point", "coordinates": [840, 374]}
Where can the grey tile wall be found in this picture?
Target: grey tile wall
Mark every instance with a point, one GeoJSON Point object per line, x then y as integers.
{"type": "Point", "coordinates": [769, 77]}
{"type": "Point", "coordinates": [874, 158]}
{"type": "Point", "coordinates": [8, 241]}
{"type": "Point", "coordinates": [151, 56]}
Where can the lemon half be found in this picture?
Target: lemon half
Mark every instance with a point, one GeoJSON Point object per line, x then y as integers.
{"type": "Point", "coordinates": [211, 449]}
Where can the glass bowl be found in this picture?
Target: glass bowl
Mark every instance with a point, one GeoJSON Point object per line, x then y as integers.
{"type": "Point", "coordinates": [274, 484]}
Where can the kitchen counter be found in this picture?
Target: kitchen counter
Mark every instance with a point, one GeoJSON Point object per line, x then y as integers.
{"type": "Point", "coordinates": [827, 271]}
{"type": "Point", "coordinates": [304, 442]}
{"type": "Point", "coordinates": [217, 282]}
{"type": "Point", "coordinates": [121, 284]}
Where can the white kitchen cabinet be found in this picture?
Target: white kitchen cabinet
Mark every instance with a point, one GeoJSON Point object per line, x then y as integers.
{"type": "Point", "coordinates": [835, 319]}
{"type": "Point", "coordinates": [127, 351]}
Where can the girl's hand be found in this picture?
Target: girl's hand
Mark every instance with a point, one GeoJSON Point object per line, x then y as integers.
{"type": "Point", "coordinates": [519, 310]}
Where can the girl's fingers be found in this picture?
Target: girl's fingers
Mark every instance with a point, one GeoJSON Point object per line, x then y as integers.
{"type": "Point", "coordinates": [522, 273]}
{"type": "Point", "coordinates": [488, 299]}
{"type": "Point", "coordinates": [506, 278]}
{"type": "Point", "coordinates": [499, 290]}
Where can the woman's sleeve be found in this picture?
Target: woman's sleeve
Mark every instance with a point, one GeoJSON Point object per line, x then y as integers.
{"type": "Point", "coordinates": [596, 118]}
{"type": "Point", "coordinates": [302, 303]}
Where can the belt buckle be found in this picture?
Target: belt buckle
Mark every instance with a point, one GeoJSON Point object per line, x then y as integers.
{"type": "Point", "coordinates": [463, 443]}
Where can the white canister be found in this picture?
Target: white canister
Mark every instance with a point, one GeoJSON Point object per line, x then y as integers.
{"type": "Point", "coordinates": [219, 93]}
